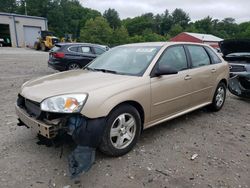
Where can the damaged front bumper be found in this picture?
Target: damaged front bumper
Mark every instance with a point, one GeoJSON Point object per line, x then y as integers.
{"type": "Point", "coordinates": [84, 131]}
{"type": "Point", "coordinates": [47, 130]}
{"type": "Point", "coordinates": [239, 84]}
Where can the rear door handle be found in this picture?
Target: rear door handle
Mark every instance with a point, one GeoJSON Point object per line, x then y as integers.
{"type": "Point", "coordinates": [213, 70]}
{"type": "Point", "coordinates": [187, 77]}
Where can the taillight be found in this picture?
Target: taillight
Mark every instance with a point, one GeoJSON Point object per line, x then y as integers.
{"type": "Point", "coordinates": [58, 55]}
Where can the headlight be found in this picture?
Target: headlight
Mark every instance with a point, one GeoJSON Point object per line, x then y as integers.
{"type": "Point", "coordinates": [64, 103]}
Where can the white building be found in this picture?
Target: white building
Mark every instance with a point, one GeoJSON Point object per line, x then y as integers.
{"type": "Point", "coordinates": [21, 30]}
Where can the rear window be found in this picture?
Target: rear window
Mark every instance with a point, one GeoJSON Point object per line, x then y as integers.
{"type": "Point", "coordinates": [55, 48]}
{"type": "Point", "coordinates": [99, 51]}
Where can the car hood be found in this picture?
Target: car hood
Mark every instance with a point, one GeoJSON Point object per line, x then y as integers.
{"type": "Point", "coordinates": [235, 46]}
{"type": "Point", "coordinates": [80, 81]}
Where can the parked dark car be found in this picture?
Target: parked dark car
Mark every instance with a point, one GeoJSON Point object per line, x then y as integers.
{"type": "Point", "coordinates": [237, 53]}
{"type": "Point", "coordinates": [69, 56]}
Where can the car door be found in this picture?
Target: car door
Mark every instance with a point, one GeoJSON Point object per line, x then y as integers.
{"type": "Point", "coordinates": [86, 55]}
{"type": "Point", "coordinates": [201, 74]}
{"type": "Point", "coordinates": [170, 94]}
{"type": "Point", "coordinates": [72, 54]}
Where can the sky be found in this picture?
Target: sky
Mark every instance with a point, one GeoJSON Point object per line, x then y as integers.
{"type": "Point", "coordinates": [197, 9]}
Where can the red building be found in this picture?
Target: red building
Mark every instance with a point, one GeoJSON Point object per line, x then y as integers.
{"type": "Point", "coordinates": [198, 38]}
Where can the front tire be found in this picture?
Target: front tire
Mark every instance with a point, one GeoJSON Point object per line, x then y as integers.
{"type": "Point", "coordinates": [43, 47]}
{"type": "Point", "coordinates": [219, 97]}
{"type": "Point", "coordinates": [123, 128]}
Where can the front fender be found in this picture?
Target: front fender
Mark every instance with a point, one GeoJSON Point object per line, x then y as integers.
{"type": "Point", "coordinates": [101, 102]}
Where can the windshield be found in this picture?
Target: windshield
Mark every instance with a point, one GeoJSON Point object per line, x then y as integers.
{"type": "Point", "coordinates": [128, 60]}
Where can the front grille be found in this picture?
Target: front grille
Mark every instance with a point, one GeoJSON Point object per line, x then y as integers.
{"type": "Point", "coordinates": [237, 68]}
{"type": "Point", "coordinates": [31, 107]}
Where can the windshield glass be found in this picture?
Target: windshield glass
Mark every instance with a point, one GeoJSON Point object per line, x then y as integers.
{"type": "Point", "coordinates": [128, 60]}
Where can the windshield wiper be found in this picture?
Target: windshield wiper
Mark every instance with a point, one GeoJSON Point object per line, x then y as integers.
{"type": "Point", "coordinates": [102, 70]}
{"type": "Point", "coordinates": [106, 70]}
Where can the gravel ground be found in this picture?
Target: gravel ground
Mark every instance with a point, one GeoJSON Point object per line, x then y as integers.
{"type": "Point", "coordinates": [162, 157]}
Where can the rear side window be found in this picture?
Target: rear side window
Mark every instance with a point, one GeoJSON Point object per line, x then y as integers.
{"type": "Point", "coordinates": [99, 51]}
{"type": "Point", "coordinates": [199, 56]}
{"type": "Point", "coordinates": [73, 48]}
{"type": "Point", "coordinates": [174, 57]}
{"type": "Point", "coordinates": [85, 49]}
{"type": "Point", "coordinates": [214, 57]}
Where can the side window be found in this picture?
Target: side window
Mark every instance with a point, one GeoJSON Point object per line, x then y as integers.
{"type": "Point", "coordinates": [99, 51]}
{"type": "Point", "coordinates": [73, 48]}
{"type": "Point", "coordinates": [174, 57]}
{"type": "Point", "coordinates": [213, 55]}
{"type": "Point", "coordinates": [199, 56]}
{"type": "Point", "coordinates": [85, 49]}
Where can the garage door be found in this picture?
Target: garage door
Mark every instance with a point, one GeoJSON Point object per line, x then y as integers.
{"type": "Point", "coordinates": [30, 35]}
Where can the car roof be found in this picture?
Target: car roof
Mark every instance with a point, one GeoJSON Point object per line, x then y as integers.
{"type": "Point", "coordinates": [79, 43]}
{"type": "Point", "coordinates": [161, 44]}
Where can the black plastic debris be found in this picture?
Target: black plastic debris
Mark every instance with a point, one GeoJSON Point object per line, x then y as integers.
{"type": "Point", "coordinates": [81, 160]}
{"type": "Point", "coordinates": [87, 134]}
{"type": "Point", "coordinates": [239, 84]}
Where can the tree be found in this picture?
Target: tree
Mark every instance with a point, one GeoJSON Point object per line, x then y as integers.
{"type": "Point", "coordinates": [180, 17]}
{"type": "Point", "coordinates": [136, 38]}
{"type": "Point", "coordinates": [204, 25]}
{"type": "Point", "coordinates": [8, 6]}
{"type": "Point", "coordinates": [120, 36]}
{"type": "Point", "coordinates": [175, 30]}
{"type": "Point", "coordinates": [150, 36]}
{"type": "Point", "coordinates": [137, 25]}
{"type": "Point", "coordinates": [112, 16]}
{"type": "Point", "coordinates": [167, 23]}
{"type": "Point", "coordinates": [97, 31]}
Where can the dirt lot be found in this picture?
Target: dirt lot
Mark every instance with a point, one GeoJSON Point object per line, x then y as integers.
{"type": "Point", "coordinates": [160, 159]}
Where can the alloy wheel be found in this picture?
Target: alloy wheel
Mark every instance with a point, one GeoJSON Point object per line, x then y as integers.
{"type": "Point", "coordinates": [123, 131]}
{"type": "Point", "coordinates": [220, 96]}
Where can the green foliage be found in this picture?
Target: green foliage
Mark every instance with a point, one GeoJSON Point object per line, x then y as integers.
{"type": "Point", "coordinates": [97, 31]}
{"type": "Point", "coordinates": [8, 5]}
{"type": "Point", "coordinates": [137, 25]}
{"type": "Point", "coordinates": [179, 17]}
{"type": "Point", "coordinates": [150, 36]}
{"type": "Point", "coordinates": [112, 16]}
{"type": "Point", "coordinates": [175, 30]}
{"type": "Point", "coordinates": [87, 25]}
{"type": "Point", "coordinates": [120, 36]}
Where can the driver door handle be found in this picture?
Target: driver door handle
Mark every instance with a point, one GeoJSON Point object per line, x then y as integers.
{"type": "Point", "coordinates": [213, 70]}
{"type": "Point", "coordinates": [187, 77]}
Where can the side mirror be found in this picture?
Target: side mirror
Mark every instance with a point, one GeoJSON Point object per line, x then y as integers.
{"type": "Point", "coordinates": [165, 70]}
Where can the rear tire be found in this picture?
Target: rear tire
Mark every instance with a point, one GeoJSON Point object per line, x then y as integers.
{"type": "Point", "coordinates": [123, 128]}
{"type": "Point", "coordinates": [74, 66]}
{"type": "Point", "coordinates": [219, 97]}
{"type": "Point", "coordinates": [37, 46]}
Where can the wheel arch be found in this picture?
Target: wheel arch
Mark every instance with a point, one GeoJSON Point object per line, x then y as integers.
{"type": "Point", "coordinates": [137, 106]}
{"type": "Point", "coordinates": [224, 81]}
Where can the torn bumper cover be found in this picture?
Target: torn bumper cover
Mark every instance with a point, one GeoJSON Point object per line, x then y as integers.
{"type": "Point", "coordinates": [86, 133]}
{"type": "Point", "coordinates": [239, 84]}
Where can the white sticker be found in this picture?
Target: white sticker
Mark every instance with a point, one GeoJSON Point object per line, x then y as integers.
{"type": "Point", "coordinates": [145, 50]}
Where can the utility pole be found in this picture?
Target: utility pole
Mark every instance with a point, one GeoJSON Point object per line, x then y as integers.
{"type": "Point", "coordinates": [25, 8]}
